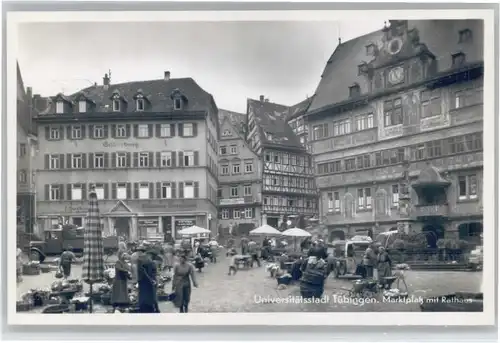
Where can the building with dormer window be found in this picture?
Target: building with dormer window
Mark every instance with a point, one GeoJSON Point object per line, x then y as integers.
{"type": "Point", "coordinates": [149, 151]}
{"type": "Point", "coordinates": [397, 129]}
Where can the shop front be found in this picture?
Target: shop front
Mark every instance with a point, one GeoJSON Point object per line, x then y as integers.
{"type": "Point", "coordinates": [149, 228]}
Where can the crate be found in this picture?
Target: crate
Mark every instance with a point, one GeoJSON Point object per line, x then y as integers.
{"type": "Point", "coordinates": [31, 269]}
{"type": "Point", "coordinates": [23, 306]}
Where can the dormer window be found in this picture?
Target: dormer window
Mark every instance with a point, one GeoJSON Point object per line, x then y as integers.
{"type": "Point", "coordinates": [370, 49]}
{"type": "Point", "coordinates": [354, 91]}
{"type": "Point", "coordinates": [139, 104]}
{"type": "Point", "coordinates": [464, 36]}
{"type": "Point", "coordinates": [458, 59]}
{"type": "Point", "coordinates": [178, 104]}
{"type": "Point", "coordinates": [82, 106]}
{"type": "Point", "coordinates": [179, 99]}
{"type": "Point", "coordinates": [362, 68]}
{"type": "Point", "coordinates": [116, 105]}
{"type": "Point", "coordinates": [60, 107]}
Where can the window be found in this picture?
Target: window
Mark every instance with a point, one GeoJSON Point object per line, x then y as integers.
{"type": "Point", "coordinates": [395, 195]}
{"type": "Point", "coordinates": [54, 162]}
{"type": "Point", "coordinates": [430, 102]}
{"type": "Point", "coordinates": [166, 190]}
{"type": "Point", "coordinates": [467, 187]}
{"type": "Point", "coordinates": [330, 202]}
{"type": "Point", "coordinates": [456, 144]}
{"type": "Point", "coordinates": [187, 130]}
{"type": "Point", "coordinates": [54, 192]}
{"type": "Point", "coordinates": [285, 159]}
{"type": "Point", "coordinates": [82, 106]}
{"type": "Point", "coordinates": [121, 160]}
{"type": "Point", "coordinates": [99, 131]}
{"type": "Point", "coordinates": [458, 59]}
{"type": "Point", "coordinates": [234, 191]}
{"type": "Point", "coordinates": [121, 191]}
{"type": "Point", "coordinates": [225, 213]}
{"type": "Point", "coordinates": [342, 127]}
{"type": "Point", "coordinates": [188, 190]}
{"type": "Point", "coordinates": [165, 130]}
{"type": "Point", "coordinates": [116, 105]}
{"type": "Point", "coordinates": [464, 36]}
{"type": "Point", "coordinates": [370, 49]}
{"type": "Point", "coordinates": [434, 149]}
{"type": "Point", "coordinates": [223, 150]}
{"type": "Point", "coordinates": [23, 176]}
{"type": "Point", "coordinates": [139, 104]}
{"type": "Point", "coordinates": [336, 198]}
{"type": "Point", "coordinates": [350, 164]}
{"type": "Point", "coordinates": [177, 104]}
{"type": "Point", "coordinates": [248, 167]}
{"type": "Point", "coordinates": [354, 91]}
{"type": "Point", "coordinates": [143, 130]}
{"type": "Point", "coordinates": [55, 133]}
{"type": "Point", "coordinates": [144, 191]}
{"type": "Point", "coordinates": [188, 158]}
{"type": "Point", "coordinates": [236, 214]}
{"type": "Point", "coordinates": [363, 161]}
{"type": "Point", "coordinates": [76, 192]}
{"type": "Point", "coordinates": [99, 191]}
{"type": "Point", "coordinates": [121, 131]}
{"type": "Point", "coordinates": [247, 190]}
{"type": "Point", "coordinates": [76, 161]}
{"type": "Point", "coordinates": [393, 112]}
{"type": "Point", "coordinates": [22, 149]}
{"type": "Point", "coordinates": [302, 140]}
{"type": "Point", "coordinates": [98, 160]}
{"type": "Point", "coordinates": [166, 159]}
{"type": "Point", "coordinates": [248, 213]}
{"type": "Point", "coordinates": [320, 131]}
{"type": "Point", "coordinates": [276, 157]}
{"type": "Point", "coordinates": [364, 198]}
{"type": "Point", "coordinates": [224, 170]}
{"type": "Point", "coordinates": [468, 97]}
{"type": "Point", "coordinates": [143, 159]}
{"type": "Point", "coordinates": [59, 107]}
{"type": "Point", "coordinates": [236, 168]}
{"type": "Point", "coordinates": [76, 132]}
{"type": "Point", "coordinates": [234, 150]}
{"type": "Point", "coordinates": [364, 122]}
{"type": "Point", "coordinates": [474, 142]}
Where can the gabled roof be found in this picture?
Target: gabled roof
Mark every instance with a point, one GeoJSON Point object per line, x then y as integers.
{"type": "Point", "coordinates": [441, 37]}
{"type": "Point", "coordinates": [158, 92]}
{"type": "Point", "coordinates": [299, 109]}
{"type": "Point", "coordinates": [237, 120]}
{"type": "Point", "coordinates": [270, 118]}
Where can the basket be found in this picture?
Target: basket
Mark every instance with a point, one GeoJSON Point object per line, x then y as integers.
{"type": "Point", "coordinates": [23, 306]}
{"type": "Point", "coordinates": [45, 269]}
{"type": "Point", "coordinates": [55, 309]}
{"type": "Point", "coordinates": [31, 269]}
{"type": "Point", "coordinates": [106, 299]}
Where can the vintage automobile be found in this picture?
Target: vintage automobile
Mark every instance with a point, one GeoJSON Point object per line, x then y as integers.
{"type": "Point", "coordinates": [58, 239]}
{"type": "Point", "coordinates": [348, 254]}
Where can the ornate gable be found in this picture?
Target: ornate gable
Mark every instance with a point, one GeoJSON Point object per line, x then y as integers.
{"type": "Point", "coordinates": [120, 207]}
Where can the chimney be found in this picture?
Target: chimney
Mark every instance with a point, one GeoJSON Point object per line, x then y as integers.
{"type": "Point", "coordinates": [261, 98]}
{"type": "Point", "coordinates": [29, 92]}
{"type": "Point", "coordinates": [166, 76]}
{"type": "Point", "coordinates": [105, 81]}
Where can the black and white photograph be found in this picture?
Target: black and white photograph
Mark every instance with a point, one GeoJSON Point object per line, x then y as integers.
{"type": "Point", "coordinates": [188, 167]}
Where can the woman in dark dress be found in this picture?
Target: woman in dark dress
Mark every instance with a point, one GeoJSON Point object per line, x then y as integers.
{"type": "Point", "coordinates": [119, 292]}
{"type": "Point", "coordinates": [181, 284]}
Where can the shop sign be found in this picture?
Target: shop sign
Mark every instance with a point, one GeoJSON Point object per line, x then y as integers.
{"type": "Point", "coordinates": [184, 223]}
{"type": "Point", "coordinates": [232, 201]}
{"type": "Point", "coordinates": [168, 205]}
{"type": "Point", "coordinates": [122, 145]}
{"type": "Point", "coordinates": [75, 209]}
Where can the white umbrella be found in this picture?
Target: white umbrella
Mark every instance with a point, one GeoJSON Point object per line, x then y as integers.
{"type": "Point", "coordinates": [265, 230]}
{"type": "Point", "coordinates": [193, 230]}
{"type": "Point", "coordinates": [296, 232]}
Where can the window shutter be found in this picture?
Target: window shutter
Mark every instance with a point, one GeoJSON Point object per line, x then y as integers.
{"type": "Point", "coordinates": [106, 131]}
{"type": "Point", "coordinates": [174, 159]}
{"type": "Point", "coordinates": [136, 130]}
{"type": "Point", "coordinates": [106, 160]}
{"type": "Point", "coordinates": [127, 129]}
{"type": "Point", "coordinates": [136, 160]}
{"type": "Point", "coordinates": [196, 158]}
{"type": "Point", "coordinates": [68, 161]}
{"type": "Point", "coordinates": [136, 190]}
{"type": "Point", "coordinates": [47, 192]}
{"type": "Point", "coordinates": [61, 192]}
{"type": "Point", "coordinates": [47, 161]}
{"type": "Point", "coordinates": [113, 191]}
{"type": "Point", "coordinates": [84, 191]}
{"type": "Point", "coordinates": [174, 188]}
{"type": "Point", "coordinates": [150, 130]}
{"type": "Point", "coordinates": [158, 190]}
{"type": "Point", "coordinates": [113, 160]}
{"type": "Point", "coordinates": [83, 131]}
{"type": "Point", "coordinates": [196, 189]}
{"type": "Point", "coordinates": [181, 130]}
{"type": "Point", "coordinates": [61, 132]}
{"type": "Point", "coordinates": [91, 131]}
{"type": "Point", "coordinates": [68, 190]}
{"type": "Point", "coordinates": [68, 130]}
{"type": "Point", "coordinates": [47, 132]}
{"type": "Point", "coordinates": [158, 130]}
{"type": "Point", "coordinates": [151, 159]}
{"type": "Point", "coordinates": [151, 190]}
{"type": "Point", "coordinates": [91, 160]}
{"type": "Point", "coordinates": [129, 160]}
{"type": "Point", "coordinates": [230, 213]}
{"type": "Point", "coordinates": [195, 129]}
{"type": "Point", "coordinates": [113, 131]}
{"type": "Point", "coordinates": [84, 161]}
{"type": "Point", "coordinates": [158, 160]}
{"type": "Point", "coordinates": [181, 190]}
{"type": "Point", "coordinates": [172, 130]}
{"type": "Point", "coordinates": [129, 190]}
{"type": "Point", "coordinates": [181, 159]}
{"type": "Point", "coordinates": [106, 191]}
{"type": "Point", "coordinates": [61, 161]}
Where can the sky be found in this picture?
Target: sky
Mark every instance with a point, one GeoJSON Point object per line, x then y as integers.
{"type": "Point", "coordinates": [231, 60]}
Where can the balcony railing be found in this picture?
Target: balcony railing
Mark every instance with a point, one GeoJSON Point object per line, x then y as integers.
{"type": "Point", "coordinates": [436, 210]}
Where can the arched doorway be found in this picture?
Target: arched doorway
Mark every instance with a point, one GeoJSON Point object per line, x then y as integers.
{"type": "Point", "coordinates": [471, 232]}
{"type": "Point", "coordinates": [122, 227]}
{"type": "Point", "coordinates": [336, 235]}
{"type": "Point", "coordinates": [433, 233]}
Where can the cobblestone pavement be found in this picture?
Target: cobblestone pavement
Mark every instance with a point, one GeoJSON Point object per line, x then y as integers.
{"type": "Point", "coordinates": [245, 291]}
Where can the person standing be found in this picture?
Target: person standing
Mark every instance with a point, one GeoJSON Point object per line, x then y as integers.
{"type": "Point", "coordinates": [369, 261]}
{"type": "Point", "coordinates": [253, 251]}
{"type": "Point", "coordinates": [146, 279]}
{"type": "Point", "coordinates": [169, 256]}
{"type": "Point", "coordinates": [66, 261]}
{"type": "Point", "coordinates": [184, 275]}
{"type": "Point", "coordinates": [119, 291]}
{"type": "Point", "coordinates": [19, 265]}
{"type": "Point", "coordinates": [384, 265]}
{"type": "Point", "coordinates": [214, 248]}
